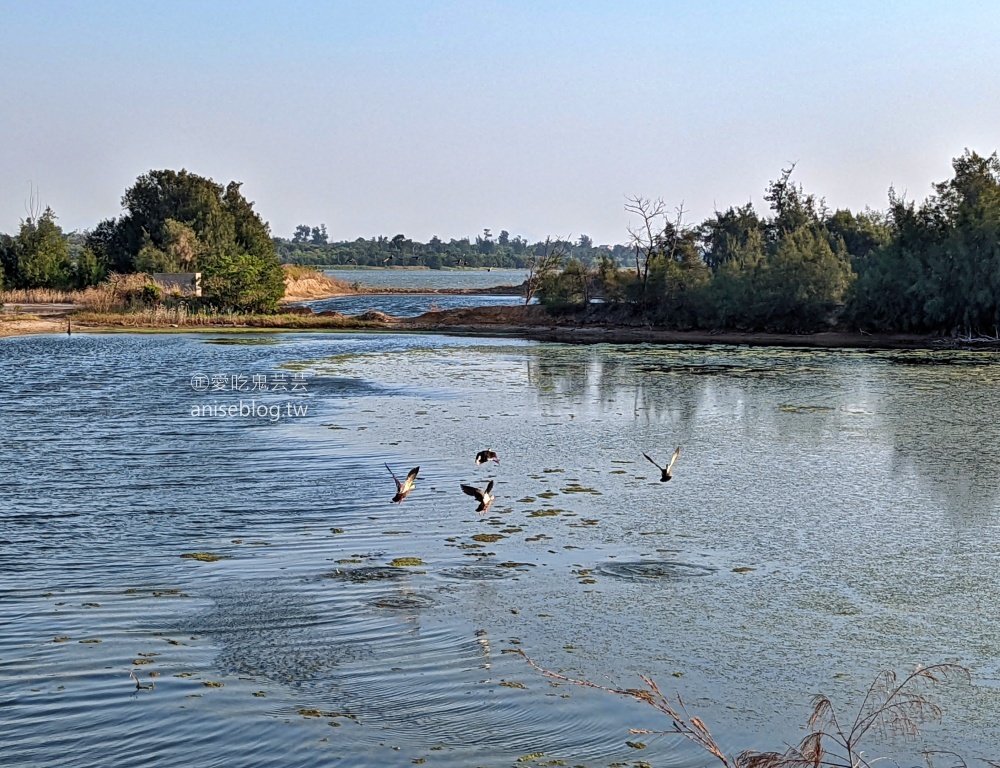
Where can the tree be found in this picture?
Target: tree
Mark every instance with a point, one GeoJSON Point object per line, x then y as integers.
{"type": "Point", "coordinates": [727, 233]}
{"type": "Point", "coordinates": [792, 207]}
{"type": "Point", "coordinates": [319, 236]}
{"type": "Point", "coordinates": [182, 221]}
{"type": "Point", "coordinates": [302, 234]}
{"type": "Point", "coordinates": [545, 261]}
{"type": "Point", "coordinates": [38, 256]}
{"type": "Point", "coordinates": [106, 242]}
{"type": "Point", "coordinates": [940, 269]}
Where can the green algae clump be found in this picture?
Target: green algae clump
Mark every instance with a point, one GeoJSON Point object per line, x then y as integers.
{"type": "Point", "coordinates": [403, 562]}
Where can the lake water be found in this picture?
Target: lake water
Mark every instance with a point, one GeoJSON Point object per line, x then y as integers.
{"type": "Point", "coordinates": [413, 305]}
{"type": "Point", "coordinates": [832, 514]}
{"type": "Point", "coordinates": [430, 278]}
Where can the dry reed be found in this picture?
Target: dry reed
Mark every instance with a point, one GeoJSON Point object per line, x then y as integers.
{"type": "Point", "coordinates": [891, 706]}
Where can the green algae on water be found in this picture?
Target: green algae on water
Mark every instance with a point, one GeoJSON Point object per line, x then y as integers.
{"type": "Point", "coordinates": [404, 562]}
{"type": "Point", "coordinates": [488, 538]}
{"type": "Point", "coordinates": [205, 557]}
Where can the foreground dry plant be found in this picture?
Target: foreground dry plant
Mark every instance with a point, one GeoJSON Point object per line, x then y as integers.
{"type": "Point", "coordinates": [892, 706]}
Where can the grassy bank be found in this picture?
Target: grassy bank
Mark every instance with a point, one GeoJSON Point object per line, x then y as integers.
{"type": "Point", "coordinates": [162, 317]}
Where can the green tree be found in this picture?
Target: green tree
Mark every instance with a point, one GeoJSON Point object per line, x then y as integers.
{"type": "Point", "coordinates": [179, 221]}
{"type": "Point", "coordinates": [88, 269]}
{"type": "Point", "coordinates": [727, 234]}
{"type": "Point", "coordinates": [940, 270]}
{"type": "Point", "coordinates": [38, 257]}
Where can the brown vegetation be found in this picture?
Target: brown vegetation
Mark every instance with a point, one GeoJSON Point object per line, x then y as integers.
{"type": "Point", "coordinates": [891, 707]}
{"type": "Point", "coordinates": [39, 296]}
{"type": "Point", "coordinates": [179, 317]}
{"type": "Point", "coordinates": [308, 283]}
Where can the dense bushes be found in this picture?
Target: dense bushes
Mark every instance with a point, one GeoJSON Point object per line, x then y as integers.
{"type": "Point", "coordinates": [933, 268]}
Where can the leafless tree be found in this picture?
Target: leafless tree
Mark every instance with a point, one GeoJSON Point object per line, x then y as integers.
{"type": "Point", "coordinates": [543, 264]}
{"type": "Point", "coordinates": [654, 236]}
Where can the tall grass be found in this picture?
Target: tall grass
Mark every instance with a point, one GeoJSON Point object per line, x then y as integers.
{"type": "Point", "coordinates": [182, 317]}
{"type": "Point", "coordinates": [303, 283]}
{"type": "Point", "coordinates": [39, 296]}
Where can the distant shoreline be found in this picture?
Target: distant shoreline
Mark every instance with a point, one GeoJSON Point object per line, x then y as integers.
{"type": "Point", "coordinates": [522, 322]}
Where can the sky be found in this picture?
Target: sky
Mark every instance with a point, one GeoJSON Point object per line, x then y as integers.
{"type": "Point", "coordinates": [445, 117]}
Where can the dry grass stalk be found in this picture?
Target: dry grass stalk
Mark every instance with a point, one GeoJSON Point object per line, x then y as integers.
{"type": "Point", "coordinates": [304, 283]}
{"type": "Point", "coordinates": [682, 723]}
{"type": "Point", "coordinates": [39, 296]}
{"type": "Point", "coordinates": [891, 707]}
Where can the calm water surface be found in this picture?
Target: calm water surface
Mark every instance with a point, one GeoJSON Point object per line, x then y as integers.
{"type": "Point", "coordinates": [413, 305]}
{"type": "Point", "coordinates": [430, 278]}
{"type": "Point", "coordinates": [832, 514]}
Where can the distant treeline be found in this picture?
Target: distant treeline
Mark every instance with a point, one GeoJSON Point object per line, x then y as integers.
{"type": "Point", "coordinates": [310, 246]}
{"type": "Point", "coordinates": [927, 268]}
{"type": "Point", "coordinates": [932, 268]}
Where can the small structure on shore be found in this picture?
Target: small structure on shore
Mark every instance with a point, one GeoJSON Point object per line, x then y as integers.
{"type": "Point", "coordinates": [184, 283]}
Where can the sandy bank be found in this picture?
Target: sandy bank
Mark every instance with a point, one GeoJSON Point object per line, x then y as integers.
{"type": "Point", "coordinates": [34, 318]}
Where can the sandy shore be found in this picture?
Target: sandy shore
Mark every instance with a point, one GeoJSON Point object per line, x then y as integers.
{"type": "Point", "coordinates": [34, 318]}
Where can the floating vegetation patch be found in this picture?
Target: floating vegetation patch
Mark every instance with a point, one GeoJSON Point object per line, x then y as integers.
{"type": "Point", "coordinates": [545, 512]}
{"type": "Point", "coordinates": [368, 573]}
{"type": "Point", "coordinates": [244, 341]}
{"type": "Point", "coordinates": [921, 357]}
{"type": "Point", "coordinates": [698, 369]}
{"type": "Point", "coordinates": [526, 500]}
{"type": "Point", "coordinates": [654, 569]}
{"type": "Point", "coordinates": [91, 641]}
{"type": "Point", "coordinates": [512, 684]}
{"type": "Point", "coordinates": [743, 569]}
{"type": "Point", "coordinates": [213, 684]}
{"type": "Point", "coordinates": [488, 538]}
{"type": "Point", "coordinates": [205, 557]}
{"type": "Point", "coordinates": [577, 488]}
{"type": "Point", "coordinates": [477, 573]}
{"type": "Point", "coordinates": [336, 530]}
{"type": "Point", "coordinates": [61, 639]}
{"type": "Point", "coordinates": [547, 495]}
{"type": "Point", "coordinates": [512, 564]}
{"type": "Point", "coordinates": [402, 602]}
{"type": "Point", "coordinates": [552, 471]}
{"type": "Point", "coordinates": [804, 409]}
{"type": "Point", "coordinates": [406, 562]}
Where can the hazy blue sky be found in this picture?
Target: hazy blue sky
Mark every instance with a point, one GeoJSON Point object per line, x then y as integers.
{"type": "Point", "coordinates": [445, 117]}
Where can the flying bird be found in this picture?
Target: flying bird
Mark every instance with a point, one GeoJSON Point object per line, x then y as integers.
{"type": "Point", "coordinates": [485, 498]}
{"type": "Point", "coordinates": [665, 471]}
{"type": "Point", "coordinates": [488, 455]}
{"type": "Point", "coordinates": [403, 488]}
